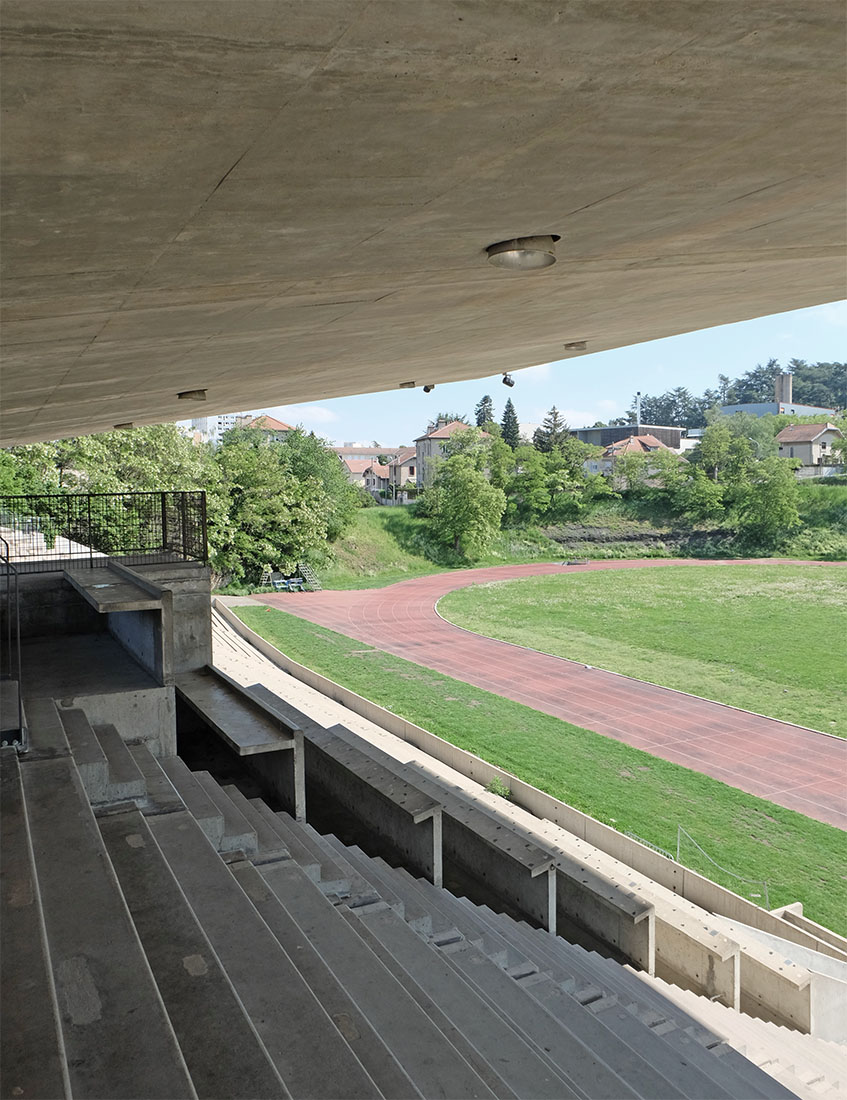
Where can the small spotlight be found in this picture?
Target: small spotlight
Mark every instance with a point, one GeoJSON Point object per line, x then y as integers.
{"type": "Point", "coordinates": [192, 395]}
{"type": "Point", "coordinates": [508, 380]}
{"type": "Point", "coordinates": [429, 388]}
{"type": "Point", "coordinates": [524, 253]}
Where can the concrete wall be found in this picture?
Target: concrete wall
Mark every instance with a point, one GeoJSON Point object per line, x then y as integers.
{"type": "Point", "coordinates": [140, 634]}
{"type": "Point", "coordinates": [688, 884]}
{"type": "Point", "coordinates": [49, 606]}
{"type": "Point", "coordinates": [147, 715]}
{"type": "Point", "coordinates": [192, 622]}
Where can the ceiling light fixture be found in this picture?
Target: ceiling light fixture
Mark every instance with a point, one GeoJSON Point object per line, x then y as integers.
{"type": "Point", "coordinates": [508, 380]}
{"type": "Point", "coordinates": [576, 345]}
{"type": "Point", "coordinates": [192, 395]}
{"type": "Point", "coordinates": [126, 424]}
{"type": "Point", "coordinates": [407, 385]}
{"type": "Point", "coordinates": [429, 388]}
{"type": "Point", "coordinates": [524, 253]}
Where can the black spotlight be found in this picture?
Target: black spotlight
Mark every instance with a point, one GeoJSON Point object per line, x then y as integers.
{"type": "Point", "coordinates": [508, 380]}
{"type": "Point", "coordinates": [430, 388]}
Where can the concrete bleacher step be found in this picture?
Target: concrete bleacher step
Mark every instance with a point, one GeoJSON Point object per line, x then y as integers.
{"type": "Point", "coordinates": [296, 851]}
{"type": "Point", "coordinates": [286, 1015]}
{"type": "Point", "coordinates": [366, 1043]}
{"type": "Point", "coordinates": [512, 1055]}
{"type": "Point", "coordinates": [222, 1050]}
{"type": "Point", "coordinates": [161, 793]}
{"type": "Point", "coordinates": [417, 917]}
{"type": "Point", "coordinates": [362, 891]}
{"type": "Point", "coordinates": [32, 1062]}
{"type": "Point", "coordinates": [269, 844]}
{"type": "Point", "coordinates": [510, 956]}
{"type": "Point", "coordinates": [702, 1067]}
{"type": "Point", "coordinates": [115, 1028]}
{"type": "Point", "coordinates": [238, 835]}
{"type": "Point", "coordinates": [427, 1055]}
{"type": "Point", "coordinates": [126, 781]}
{"type": "Point", "coordinates": [813, 1064]}
{"type": "Point", "coordinates": [88, 754]}
{"type": "Point", "coordinates": [304, 851]}
{"type": "Point", "coordinates": [197, 802]}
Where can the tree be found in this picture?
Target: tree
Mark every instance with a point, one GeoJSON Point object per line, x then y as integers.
{"type": "Point", "coordinates": [464, 509]}
{"type": "Point", "coordinates": [630, 469]}
{"type": "Point", "coordinates": [699, 498]}
{"type": "Point", "coordinates": [768, 512]}
{"type": "Point", "coordinates": [713, 450]}
{"type": "Point", "coordinates": [527, 491]}
{"type": "Point", "coordinates": [450, 417]}
{"type": "Point", "coordinates": [484, 411]}
{"type": "Point", "coordinates": [284, 501]}
{"type": "Point", "coordinates": [510, 426]}
{"type": "Point", "coordinates": [552, 433]}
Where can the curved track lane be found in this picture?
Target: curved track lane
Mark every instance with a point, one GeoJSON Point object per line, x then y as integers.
{"type": "Point", "coordinates": [792, 766]}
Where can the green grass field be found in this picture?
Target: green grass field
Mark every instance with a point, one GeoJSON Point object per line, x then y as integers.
{"type": "Point", "coordinates": [801, 859]}
{"type": "Point", "coordinates": [768, 638]}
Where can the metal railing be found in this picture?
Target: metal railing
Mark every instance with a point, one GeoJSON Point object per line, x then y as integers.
{"type": "Point", "coordinates": [60, 531]}
{"type": "Point", "coordinates": [10, 658]}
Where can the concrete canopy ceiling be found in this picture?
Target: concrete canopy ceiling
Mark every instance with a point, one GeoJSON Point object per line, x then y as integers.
{"type": "Point", "coordinates": [286, 201]}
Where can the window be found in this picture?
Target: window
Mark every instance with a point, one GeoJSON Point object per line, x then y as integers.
{"type": "Point", "coordinates": [411, 471]}
{"type": "Point", "coordinates": [790, 452]}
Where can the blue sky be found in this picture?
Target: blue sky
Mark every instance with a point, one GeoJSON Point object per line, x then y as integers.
{"type": "Point", "coordinates": [592, 387]}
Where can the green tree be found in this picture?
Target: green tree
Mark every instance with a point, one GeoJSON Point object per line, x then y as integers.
{"type": "Point", "coordinates": [630, 469]}
{"type": "Point", "coordinates": [464, 509]}
{"type": "Point", "coordinates": [768, 512]}
{"type": "Point", "coordinates": [510, 426]}
{"type": "Point", "coordinates": [698, 498]}
{"type": "Point", "coordinates": [484, 411]}
{"type": "Point", "coordinates": [712, 453]}
{"type": "Point", "coordinates": [552, 433]}
{"type": "Point", "coordinates": [449, 417]}
{"type": "Point", "coordinates": [527, 491]}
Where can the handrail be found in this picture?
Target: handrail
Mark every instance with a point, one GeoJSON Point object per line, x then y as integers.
{"type": "Point", "coordinates": [11, 663]}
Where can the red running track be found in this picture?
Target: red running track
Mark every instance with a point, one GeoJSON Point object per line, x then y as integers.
{"type": "Point", "coordinates": [787, 764]}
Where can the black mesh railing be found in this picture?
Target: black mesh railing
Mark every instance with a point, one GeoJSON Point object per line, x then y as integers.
{"type": "Point", "coordinates": [82, 529]}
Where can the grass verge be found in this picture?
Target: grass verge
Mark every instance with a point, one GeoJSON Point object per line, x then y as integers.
{"type": "Point", "coordinates": [767, 638]}
{"type": "Point", "coordinates": [801, 859]}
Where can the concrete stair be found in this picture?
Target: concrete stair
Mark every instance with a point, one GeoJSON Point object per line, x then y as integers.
{"type": "Point", "coordinates": [187, 941]}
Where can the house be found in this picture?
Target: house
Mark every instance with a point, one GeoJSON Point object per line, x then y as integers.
{"type": "Point", "coordinates": [633, 444]}
{"type": "Point", "coordinates": [606, 435]}
{"type": "Point", "coordinates": [355, 469]}
{"type": "Point", "coordinates": [377, 477]}
{"type": "Point", "coordinates": [403, 466]}
{"type": "Point", "coordinates": [357, 452]}
{"type": "Point", "coordinates": [812, 445]}
{"type": "Point", "coordinates": [275, 430]}
{"type": "Point", "coordinates": [431, 446]}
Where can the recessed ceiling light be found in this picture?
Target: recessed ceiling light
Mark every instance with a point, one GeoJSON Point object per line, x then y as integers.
{"type": "Point", "coordinates": [192, 395]}
{"type": "Point", "coordinates": [576, 345]}
{"type": "Point", "coordinates": [126, 424]}
{"type": "Point", "coordinates": [524, 253]}
{"type": "Point", "coordinates": [407, 385]}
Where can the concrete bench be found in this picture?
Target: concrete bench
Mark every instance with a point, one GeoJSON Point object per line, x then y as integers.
{"type": "Point", "coordinates": [394, 808]}
{"type": "Point", "coordinates": [250, 727]}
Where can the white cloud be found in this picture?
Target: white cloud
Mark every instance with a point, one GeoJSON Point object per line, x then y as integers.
{"type": "Point", "coordinates": [303, 414]}
{"type": "Point", "coordinates": [834, 313]}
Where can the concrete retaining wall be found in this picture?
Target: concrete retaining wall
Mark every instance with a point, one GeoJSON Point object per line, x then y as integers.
{"type": "Point", "coordinates": [147, 715]}
{"type": "Point", "coordinates": [688, 884]}
{"type": "Point", "coordinates": [49, 607]}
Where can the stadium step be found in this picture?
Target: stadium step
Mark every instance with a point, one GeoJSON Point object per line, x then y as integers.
{"type": "Point", "coordinates": [238, 835]}
{"type": "Point", "coordinates": [196, 800]}
{"type": "Point", "coordinates": [304, 851]}
{"type": "Point", "coordinates": [32, 1060]}
{"type": "Point", "coordinates": [425, 1052]}
{"type": "Point", "coordinates": [269, 844]}
{"type": "Point", "coordinates": [285, 1013]}
{"type": "Point", "coordinates": [115, 1028]}
{"type": "Point", "coordinates": [221, 1049]}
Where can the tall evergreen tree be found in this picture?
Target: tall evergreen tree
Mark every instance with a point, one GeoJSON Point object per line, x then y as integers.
{"type": "Point", "coordinates": [552, 433]}
{"type": "Point", "coordinates": [510, 426]}
{"type": "Point", "coordinates": [484, 411]}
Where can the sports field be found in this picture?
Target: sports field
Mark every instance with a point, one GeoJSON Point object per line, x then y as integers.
{"type": "Point", "coordinates": [768, 638]}
{"type": "Point", "coordinates": [801, 859]}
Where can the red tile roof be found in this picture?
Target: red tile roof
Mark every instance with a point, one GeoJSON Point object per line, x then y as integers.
{"type": "Point", "coordinates": [804, 433]}
{"type": "Point", "coordinates": [380, 471]}
{"type": "Point", "coordinates": [641, 444]}
{"type": "Point", "coordinates": [357, 465]}
{"type": "Point", "coordinates": [405, 456]}
{"type": "Point", "coordinates": [446, 431]}
{"type": "Point", "coordinates": [269, 424]}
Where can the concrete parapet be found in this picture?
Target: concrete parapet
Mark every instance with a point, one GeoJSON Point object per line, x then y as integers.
{"type": "Point", "coordinates": [392, 806]}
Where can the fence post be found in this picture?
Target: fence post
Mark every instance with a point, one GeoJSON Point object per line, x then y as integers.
{"type": "Point", "coordinates": [90, 533]}
{"type": "Point", "coordinates": [184, 526]}
{"type": "Point", "coordinates": [204, 532]}
{"type": "Point", "coordinates": [163, 504]}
